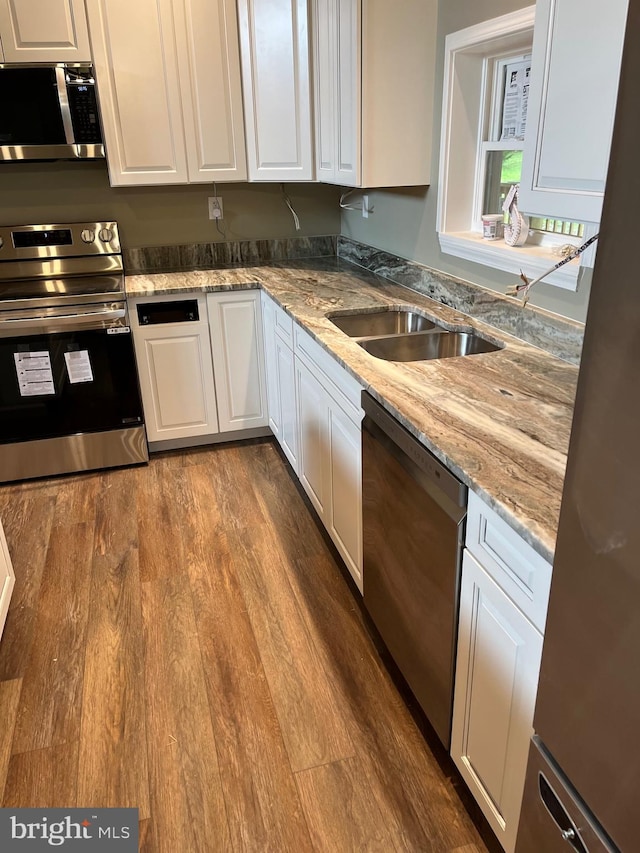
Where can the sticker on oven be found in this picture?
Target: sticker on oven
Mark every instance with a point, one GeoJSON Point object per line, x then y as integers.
{"type": "Point", "coordinates": [78, 366]}
{"type": "Point", "coordinates": [35, 378]}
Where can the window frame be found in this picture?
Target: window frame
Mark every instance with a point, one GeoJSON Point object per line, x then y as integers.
{"type": "Point", "coordinates": [469, 107]}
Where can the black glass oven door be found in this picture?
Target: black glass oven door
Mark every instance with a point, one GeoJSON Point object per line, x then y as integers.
{"type": "Point", "coordinates": [71, 382]}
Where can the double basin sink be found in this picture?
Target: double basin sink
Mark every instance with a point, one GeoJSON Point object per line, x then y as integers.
{"type": "Point", "coordinates": [401, 334]}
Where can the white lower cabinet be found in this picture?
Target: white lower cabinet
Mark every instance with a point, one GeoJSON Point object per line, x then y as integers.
{"type": "Point", "coordinates": [315, 414]}
{"type": "Point", "coordinates": [7, 579]}
{"type": "Point", "coordinates": [313, 421]}
{"type": "Point", "coordinates": [498, 663]}
{"type": "Point", "coordinates": [345, 484]}
{"type": "Point", "coordinates": [281, 381]}
{"type": "Point", "coordinates": [204, 375]}
{"type": "Point", "coordinates": [237, 346]}
{"type": "Point", "coordinates": [330, 453]}
{"type": "Point", "coordinates": [176, 375]}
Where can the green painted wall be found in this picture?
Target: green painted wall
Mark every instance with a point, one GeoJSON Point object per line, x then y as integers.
{"type": "Point", "coordinates": [32, 193]}
{"type": "Point", "coordinates": [404, 220]}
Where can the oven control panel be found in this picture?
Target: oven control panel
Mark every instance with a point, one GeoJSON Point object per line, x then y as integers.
{"type": "Point", "coordinates": [79, 239]}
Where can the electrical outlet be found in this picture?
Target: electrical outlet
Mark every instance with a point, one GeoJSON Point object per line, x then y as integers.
{"type": "Point", "coordinates": [215, 207]}
{"type": "Point", "coordinates": [365, 206]}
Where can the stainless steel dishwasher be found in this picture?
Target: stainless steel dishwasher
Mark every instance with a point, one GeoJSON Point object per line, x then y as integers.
{"type": "Point", "coordinates": [414, 511]}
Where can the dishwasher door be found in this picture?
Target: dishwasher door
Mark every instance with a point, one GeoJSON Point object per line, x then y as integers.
{"type": "Point", "coordinates": [413, 530]}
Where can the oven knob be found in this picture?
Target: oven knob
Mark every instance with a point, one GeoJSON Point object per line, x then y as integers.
{"type": "Point", "coordinates": [88, 235]}
{"type": "Point", "coordinates": [106, 235]}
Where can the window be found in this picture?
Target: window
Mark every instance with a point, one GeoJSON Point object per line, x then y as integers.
{"type": "Point", "coordinates": [483, 136]}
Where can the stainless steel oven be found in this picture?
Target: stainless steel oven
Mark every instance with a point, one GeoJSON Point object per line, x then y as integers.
{"type": "Point", "coordinates": [69, 394]}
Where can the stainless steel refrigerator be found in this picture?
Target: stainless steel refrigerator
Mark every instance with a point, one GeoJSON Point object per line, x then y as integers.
{"type": "Point", "coordinates": [583, 776]}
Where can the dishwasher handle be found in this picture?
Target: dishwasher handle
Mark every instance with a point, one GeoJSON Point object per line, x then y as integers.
{"type": "Point", "coordinates": [399, 441]}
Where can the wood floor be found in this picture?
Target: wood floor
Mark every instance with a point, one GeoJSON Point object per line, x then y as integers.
{"type": "Point", "coordinates": [181, 640]}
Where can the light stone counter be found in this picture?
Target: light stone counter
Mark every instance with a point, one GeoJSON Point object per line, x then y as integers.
{"type": "Point", "coordinates": [500, 421]}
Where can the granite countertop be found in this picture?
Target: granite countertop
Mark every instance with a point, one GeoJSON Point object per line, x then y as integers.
{"type": "Point", "coordinates": [500, 421]}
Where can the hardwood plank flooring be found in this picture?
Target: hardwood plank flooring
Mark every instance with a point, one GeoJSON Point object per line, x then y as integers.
{"type": "Point", "coordinates": [186, 792]}
{"type": "Point", "coordinates": [43, 778]}
{"type": "Point", "coordinates": [183, 641]}
{"type": "Point", "coordinates": [51, 698]}
{"type": "Point", "coordinates": [27, 523]}
{"type": "Point", "coordinates": [113, 747]}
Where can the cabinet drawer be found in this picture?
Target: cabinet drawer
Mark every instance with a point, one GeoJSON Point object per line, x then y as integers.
{"type": "Point", "coordinates": [520, 571]}
{"type": "Point", "coordinates": [345, 390]}
{"type": "Point", "coordinates": [284, 325]}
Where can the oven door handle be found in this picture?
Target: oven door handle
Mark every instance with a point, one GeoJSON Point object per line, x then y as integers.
{"type": "Point", "coordinates": [63, 322]}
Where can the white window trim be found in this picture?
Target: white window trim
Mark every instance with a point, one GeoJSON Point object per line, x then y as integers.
{"type": "Point", "coordinates": [463, 116]}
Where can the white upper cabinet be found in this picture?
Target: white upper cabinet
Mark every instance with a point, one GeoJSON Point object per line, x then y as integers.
{"type": "Point", "coordinates": [277, 96]}
{"type": "Point", "coordinates": [168, 74]}
{"type": "Point", "coordinates": [577, 50]}
{"type": "Point", "coordinates": [374, 66]}
{"type": "Point", "coordinates": [44, 31]}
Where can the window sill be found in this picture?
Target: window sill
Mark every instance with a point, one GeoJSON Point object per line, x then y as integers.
{"type": "Point", "coordinates": [531, 260]}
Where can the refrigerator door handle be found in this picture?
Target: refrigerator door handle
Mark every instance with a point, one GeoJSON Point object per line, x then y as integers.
{"type": "Point", "coordinates": [559, 815]}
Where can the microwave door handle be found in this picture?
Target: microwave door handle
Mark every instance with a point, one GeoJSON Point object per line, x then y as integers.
{"type": "Point", "coordinates": [63, 96]}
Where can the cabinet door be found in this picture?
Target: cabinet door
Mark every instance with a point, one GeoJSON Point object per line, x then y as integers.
{"type": "Point", "coordinates": [277, 95]}
{"type": "Point", "coordinates": [270, 365]}
{"type": "Point", "coordinates": [7, 579]}
{"type": "Point", "coordinates": [176, 380]}
{"type": "Point", "coordinates": [136, 63]}
{"type": "Point", "coordinates": [287, 396]}
{"type": "Point", "coordinates": [345, 479]}
{"type": "Point", "coordinates": [337, 63]}
{"type": "Point", "coordinates": [349, 88]}
{"type": "Point", "coordinates": [238, 359]}
{"type": "Point", "coordinates": [313, 421]}
{"type": "Point", "coordinates": [44, 31]}
{"type": "Point", "coordinates": [209, 61]}
{"type": "Point", "coordinates": [497, 669]}
{"type": "Point", "coordinates": [577, 51]}
{"type": "Point", "coordinates": [324, 30]}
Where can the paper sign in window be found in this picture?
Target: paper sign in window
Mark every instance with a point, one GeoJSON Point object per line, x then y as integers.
{"type": "Point", "coordinates": [78, 366]}
{"type": "Point", "coordinates": [516, 100]}
{"type": "Point", "coordinates": [34, 373]}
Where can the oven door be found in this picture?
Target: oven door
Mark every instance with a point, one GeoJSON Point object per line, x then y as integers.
{"type": "Point", "coordinates": [64, 373]}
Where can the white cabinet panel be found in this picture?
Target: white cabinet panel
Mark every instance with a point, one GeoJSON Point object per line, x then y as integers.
{"type": "Point", "coordinates": [313, 421]}
{"type": "Point", "coordinates": [270, 363]}
{"type": "Point", "coordinates": [576, 65]}
{"type": "Point", "coordinates": [345, 522]}
{"type": "Point", "coordinates": [349, 88]}
{"type": "Point", "coordinates": [374, 68]}
{"type": "Point", "coordinates": [325, 88]}
{"type": "Point", "coordinates": [277, 96]}
{"type": "Point", "coordinates": [136, 62]}
{"type": "Point", "coordinates": [238, 359]}
{"type": "Point", "coordinates": [176, 375]}
{"type": "Point", "coordinates": [44, 31]}
{"type": "Point", "coordinates": [280, 378]}
{"type": "Point", "coordinates": [7, 579]}
{"type": "Point", "coordinates": [211, 90]}
{"type": "Point", "coordinates": [285, 367]}
{"type": "Point", "coordinates": [498, 664]}
{"type": "Point", "coordinates": [169, 89]}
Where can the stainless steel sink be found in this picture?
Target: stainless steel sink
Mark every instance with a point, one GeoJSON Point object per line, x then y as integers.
{"type": "Point", "coordinates": [422, 347]}
{"type": "Point", "coordinates": [391, 321]}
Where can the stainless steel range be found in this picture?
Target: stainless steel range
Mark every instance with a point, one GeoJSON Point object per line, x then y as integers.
{"type": "Point", "coordinates": [69, 394]}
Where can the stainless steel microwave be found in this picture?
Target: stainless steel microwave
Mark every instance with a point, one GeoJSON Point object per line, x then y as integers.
{"type": "Point", "coordinates": [49, 112]}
